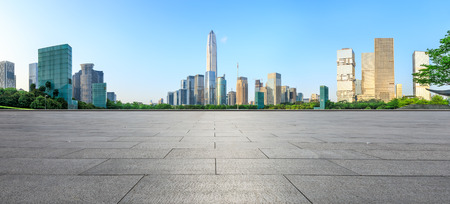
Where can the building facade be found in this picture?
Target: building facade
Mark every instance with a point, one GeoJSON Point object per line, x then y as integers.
{"type": "Point", "coordinates": [345, 75]}
{"type": "Point", "coordinates": [384, 69]}
{"type": "Point", "coordinates": [221, 98]}
{"type": "Point", "coordinates": [211, 54]}
{"type": "Point", "coordinates": [300, 96]}
{"type": "Point", "coordinates": [7, 76]}
{"type": "Point", "coordinates": [258, 85]}
{"type": "Point", "coordinates": [55, 66]}
{"type": "Point", "coordinates": [242, 91]}
{"type": "Point", "coordinates": [323, 96]}
{"type": "Point", "coordinates": [259, 99]}
{"type": "Point", "coordinates": [368, 76]}
{"type": "Point", "coordinates": [292, 95]}
{"type": "Point", "coordinates": [99, 94]}
{"type": "Point", "coordinates": [33, 75]}
{"type": "Point", "coordinates": [111, 96]}
{"type": "Point", "coordinates": [190, 86]}
{"type": "Point", "coordinates": [358, 87]}
{"type": "Point", "coordinates": [314, 97]}
{"type": "Point", "coordinates": [285, 94]}
{"type": "Point", "coordinates": [273, 86]}
{"type": "Point", "coordinates": [88, 76]}
{"type": "Point", "coordinates": [420, 90]}
{"type": "Point", "coordinates": [398, 91]}
{"type": "Point", "coordinates": [231, 97]}
{"type": "Point", "coordinates": [210, 87]}
{"type": "Point", "coordinates": [199, 89]}
{"type": "Point", "coordinates": [170, 98]}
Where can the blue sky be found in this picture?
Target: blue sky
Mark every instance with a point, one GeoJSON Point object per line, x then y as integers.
{"type": "Point", "coordinates": [146, 47]}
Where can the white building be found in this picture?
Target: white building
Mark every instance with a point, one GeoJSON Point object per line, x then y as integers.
{"type": "Point", "coordinates": [7, 77]}
{"type": "Point", "coordinates": [345, 75]}
{"type": "Point", "coordinates": [33, 74]}
{"type": "Point", "coordinates": [420, 58]}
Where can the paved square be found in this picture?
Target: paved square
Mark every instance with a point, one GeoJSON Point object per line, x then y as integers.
{"type": "Point", "coordinates": [225, 156]}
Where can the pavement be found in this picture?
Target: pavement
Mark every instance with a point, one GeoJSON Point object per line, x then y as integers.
{"type": "Point", "coordinates": [225, 156]}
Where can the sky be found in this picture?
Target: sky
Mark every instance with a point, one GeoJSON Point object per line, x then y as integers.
{"type": "Point", "coordinates": [145, 48]}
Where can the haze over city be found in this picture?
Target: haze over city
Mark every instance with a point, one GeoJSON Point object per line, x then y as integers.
{"type": "Point", "coordinates": [146, 48]}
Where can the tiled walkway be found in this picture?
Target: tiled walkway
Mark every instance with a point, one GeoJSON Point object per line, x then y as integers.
{"type": "Point", "coordinates": [225, 156]}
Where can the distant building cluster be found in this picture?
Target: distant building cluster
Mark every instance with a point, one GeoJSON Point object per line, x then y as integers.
{"type": "Point", "coordinates": [377, 71]}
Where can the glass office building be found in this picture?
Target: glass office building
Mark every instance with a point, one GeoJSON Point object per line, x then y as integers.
{"type": "Point", "coordinates": [111, 96]}
{"type": "Point", "coordinates": [273, 86]}
{"type": "Point", "coordinates": [259, 99]}
{"type": "Point", "coordinates": [7, 77]}
{"type": "Point", "coordinates": [55, 66]}
{"type": "Point", "coordinates": [199, 87]}
{"type": "Point", "coordinates": [323, 96]}
{"type": "Point", "coordinates": [190, 86]}
{"type": "Point", "coordinates": [221, 91]}
{"type": "Point", "coordinates": [33, 75]}
{"type": "Point", "coordinates": [99, 94]}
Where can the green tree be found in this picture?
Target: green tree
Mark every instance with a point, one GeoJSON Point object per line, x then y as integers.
{"type": "Point", "coordinates": [40, 103]}
{"type": "Point", "coordinates": [437, 73]}
{"type": "Point", "coordinates": [55, 93]}
{"type": "Point", "coordinates": [32, 87]}
{"type": "Point", "coordinates": [25, 99]}
{"type": "Point", "coordinates": [48, 85]}
{"type": "Point", "coordinates": [42, 88]}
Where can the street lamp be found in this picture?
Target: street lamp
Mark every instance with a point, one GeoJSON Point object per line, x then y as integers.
{"type": "Point", "coordinates": [46, 102]}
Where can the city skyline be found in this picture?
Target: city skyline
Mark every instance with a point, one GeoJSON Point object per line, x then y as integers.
{"type": "Point", "coordinates": [291, 40]}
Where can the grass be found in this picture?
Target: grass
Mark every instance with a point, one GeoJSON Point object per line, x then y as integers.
{"type": "Point", "coordinates": [9, 107]}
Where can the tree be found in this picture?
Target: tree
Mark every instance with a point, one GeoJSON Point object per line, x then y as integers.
{"type": "Point", "coordinates": [42, 88]}
{"type": "Point", "coordinates": [55, 93]}
{"type": "Point", "coordinates": [25, 99]}
{"type": "Point", "coordinates": [48, 85]}
{"type": "Point", "coordinates": [439, 72]}
{"type": "Point", "coordinates": [32, 87]}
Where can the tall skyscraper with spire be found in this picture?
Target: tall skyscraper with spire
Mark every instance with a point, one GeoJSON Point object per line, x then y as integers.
{"type": "Point", "coordinates": [211, 69]}
{"type": "Point", "coordinates": [211, 53]}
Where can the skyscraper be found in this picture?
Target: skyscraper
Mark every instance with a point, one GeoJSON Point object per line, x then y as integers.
{"type": "Point", "coordinates": [221, 88]}
{"type": "Point", "coordinates": [231, 98]}
{"type": "Point", "coordinates": [292, 95]}
{"type": "Point", "coordinates": [211, 53]}
{"type": "Point", "coordinates": [368, 76]}
{"type": "Point", "coordinates": [211, 69]}
{"type": "Point", "coordinates": [358, 89]}
{"type": "Point", "coordinates": [258, 85]}
{"type": "Point", "coordinates": [7, 77]}
{"type": "Point", "coordinates": [33, 74]}
{"type": "Point", "coordinates": [419, 59]}
{"type": "Point", "coordinates": [345, 75]}
{"type": "Point", "coordinates": [99, 94]}
{"type": "Point", "coordinates": [199, 89]}
{"type": "Point", "coordinates": [55, 66]}
{"type": "Point", "coordinates": [398, 91]}
{"type": "Point", "coordinates": [170, 98]}
{"type": "Point", "coordinates": [300, 96]}
{"type": "Point", "coordinates": [384, 69]}
{"type": "Point", "coordinates": [82, 82]}
{"type": "Point", "coordinates": [210, 87]}
{"type": "Point", "coordinates": [190, 86]}
{"type": "Point", "coordinates": [259, 99]}
{"type": "Point", "coordinates": [242, 91]}
{"type": "Point", "coordinates": [285, 94]}
{"type": "Point", "coordinates": [111, 96]}
{"type": "Point", "coordinates": [323, 97]}
{"type": "Point", "coordinates": [273, 86]}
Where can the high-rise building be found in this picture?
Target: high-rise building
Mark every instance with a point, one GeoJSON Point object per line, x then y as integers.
{"type": "Point", "coordinates": [211, 54]}
{"type": "Point", "coordinates": [221, 88]}
{"type": "Point", "coordinates": [384, 69]}
{"type": "Point", "coordinates": [292, 95]}
{"type": "Point", "coordinates": [176, 98]}
{"type": "Point", "coordinates": [323, 96]}
{"type": "Point", "coordinates": [368, 76]}
{"type": "Point", "coordinates": [170, 96]}
{"type": "Point", "coordinates": [190, 86]}
{"type": "Point", "coordinates": [259, 99]}
{"type": "Point", "coordinates": [420, 58]}
{"type": "Point", "coordinates": [182, 97]}
{"type": "Point", "coordinates": [33, 74]}
{"type": "Point", "coordinates": [160, 101]}
{"type": "Point", "coordinates": [314, 97]}
{"type": "Point", "coordinates": [398, 91]}
{"type": "Point", "coordinates": [231, 98]}
{"type": "Point", "coordinates": [55, 66]}
{"type": "Point", "coordinates": [345, 75]}
{"type": "Point", "coordinates": [285, 94]}
{"type": "Point", "coordinates": [300, 96]}
{"type": "Point", "coordinates": [111, 96]}
{"type": "Point", "coordinates": [7, 77]}
{"type": "Point", "coordinates": [183, 84]}
{"type": "Point", "coordinates": [258, 85]}
{"type": "Point", "coordinates": [99, 94]}
{"type": "Point", "coordinates": [358, 87]}
{"type": "Point", "coordinates": [199, 87]}
{"type": "Point", "coordinates": [273, 86]}
{"type": "Point", "coordinates": [242, 91]}
{"type": "Point", "coordinates": [210, 87]}
{"type": "Point", "coordinates": [82, 82]}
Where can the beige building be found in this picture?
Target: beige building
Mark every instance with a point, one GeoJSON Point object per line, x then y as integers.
{"type": "Point", "coordinates": [398, 91]}
{"type": "Point", "coordinates": [273, 86]}
{"type": "Point", "coordinates": [368, 76]}
{"type": "Point", "coordinates": [345, 75]}
{"type": "Point", "coordinates": [314, 97]}
{"type": "Point", "coordinates": [231, 98]}
{"type": "Point", "coordinates": [292, 95]}
{"type": "Point", "coordinates": [242, 91]}
{"type": "Point", "coordinates": [420, 58]}
{"type": "Point", "coordinates": [384, 69]}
